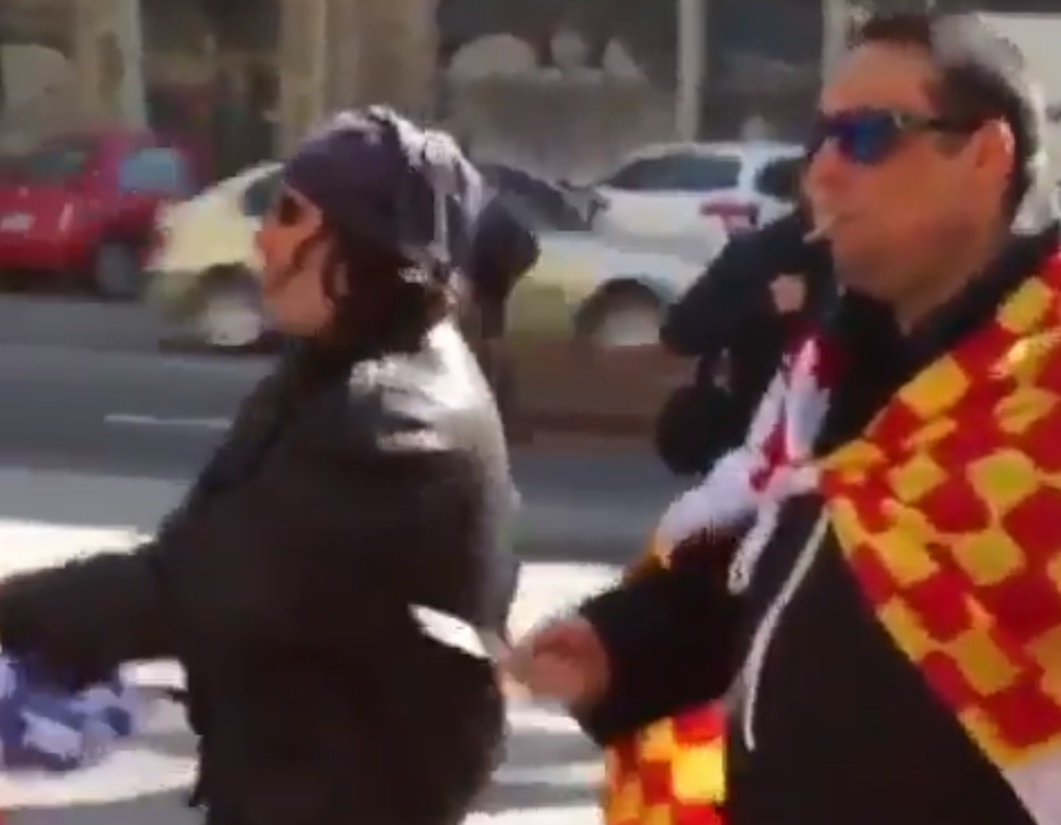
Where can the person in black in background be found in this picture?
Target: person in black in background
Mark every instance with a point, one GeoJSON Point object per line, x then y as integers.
{"type": "Point", "coordinates": [503, 250]}
{"type": "Point", "coordinates": [855, 702]}
{"type": "Point", "coordinates": [328, 582]}
{"type": "Point", "coordinates": [736, 320]}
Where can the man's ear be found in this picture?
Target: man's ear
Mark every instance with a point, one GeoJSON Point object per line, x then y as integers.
{"type": "Point", "coordinates": [995, 146]}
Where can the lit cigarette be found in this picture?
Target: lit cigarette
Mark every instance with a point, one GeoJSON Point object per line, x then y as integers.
{"type": "Point", "coordinates": [819, 230]}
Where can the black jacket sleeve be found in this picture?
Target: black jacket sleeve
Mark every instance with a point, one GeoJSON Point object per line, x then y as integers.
{"type": "Point", "coordinates": [669, 635]}
{"type": "Point", "coordinates": [313, 546]}
{"type": "Point", "coordinates": [698, 423]}
{"type": "Point", "coordinates": [503, 251]}
{"type": "Point", "coordinates": [733, 295]}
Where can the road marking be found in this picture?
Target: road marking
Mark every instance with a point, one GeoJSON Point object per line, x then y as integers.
{"type": "Point", "coordinates": [129, 773]}
{"type": "Point", "coordinates": [548, 815]}
{"type": "Point", "coordinates": [167, 422]}
{"type": "Point", "coordinates": [563, 775]}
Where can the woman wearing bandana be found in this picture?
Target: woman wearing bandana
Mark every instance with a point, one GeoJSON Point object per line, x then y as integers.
{"type": "Point", "coordinates": [331, 582]}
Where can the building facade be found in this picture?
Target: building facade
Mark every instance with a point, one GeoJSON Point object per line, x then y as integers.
{"type": "Point", "coordinates": [563, 86]}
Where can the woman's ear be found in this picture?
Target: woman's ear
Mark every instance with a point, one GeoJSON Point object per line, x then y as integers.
{"type": "Point", "coordinates": [313, 220]}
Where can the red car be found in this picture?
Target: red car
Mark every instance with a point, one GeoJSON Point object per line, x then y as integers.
{"type": "Point", "coordinates": [83, 206]}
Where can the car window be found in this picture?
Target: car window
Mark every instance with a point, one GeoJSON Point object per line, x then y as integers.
{"type": "Point", "coordinates": [157, 170]}
{"type": "Point", "coordinates": [259, 197]}
{"type": "Point", "coordinates": [637, 176]}
{"type": "Point", "coordinates": [537, 203]}
{"type": "Point", "coordinates": [679, 172]}
{"type": "Point", "coordinates": [55, 163]}
{"type": "Point", "coordinates": [780, 179]}
{"type": "Point", "coordinates": [554, 215]}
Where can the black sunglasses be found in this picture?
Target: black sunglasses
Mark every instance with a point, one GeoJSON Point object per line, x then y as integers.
{"type": "Point", "coordinates": [868, 136]}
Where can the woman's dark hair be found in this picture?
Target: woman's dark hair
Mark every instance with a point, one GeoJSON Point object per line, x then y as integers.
{"type": "Point", "coordinates": [377, 291]}
{"type": "Point", "coordinates": [398, 203]}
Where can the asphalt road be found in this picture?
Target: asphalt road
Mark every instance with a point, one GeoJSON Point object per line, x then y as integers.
{"type": "Point", "coordinates": [156, 415]}
{"type": "Point", "coordinates": [82, 392]}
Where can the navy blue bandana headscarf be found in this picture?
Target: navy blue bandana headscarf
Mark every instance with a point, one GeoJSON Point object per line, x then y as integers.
{"type": "Point", "coordinates": [375, 175]}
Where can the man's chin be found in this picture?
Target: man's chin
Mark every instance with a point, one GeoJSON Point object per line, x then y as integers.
{"type": "Point", "coordinates": [856, 272]}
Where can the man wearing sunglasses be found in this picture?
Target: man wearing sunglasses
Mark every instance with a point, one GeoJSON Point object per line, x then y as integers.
{"type": "Point", "coordinates": [892, 607]}
{"type": "Point", "coordinates": [335, 581]}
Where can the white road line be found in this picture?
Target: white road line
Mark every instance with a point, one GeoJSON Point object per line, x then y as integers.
{"type": "Point", "coordinates": [550, 815]}
{"type": "Point", "coordinates": [167, 422]}
{"type": "Point", "coordinates": [567, 774]}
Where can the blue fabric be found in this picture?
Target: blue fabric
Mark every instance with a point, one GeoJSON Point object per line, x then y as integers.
{"type": "Point", "coordinates": [45, 728]}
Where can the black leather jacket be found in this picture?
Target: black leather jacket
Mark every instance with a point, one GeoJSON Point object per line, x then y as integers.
{"type": "Point", "coordinates": [352, 485]}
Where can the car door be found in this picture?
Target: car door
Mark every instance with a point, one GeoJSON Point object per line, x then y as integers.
{"type": "Point", "coordinates": [668, 195]}
{"type": "Point", "coordinates": [12, 214]}
{"type": "Point", "coordinates": [51, 178]}
{"type": "Point", "coordinates": [777, 184]}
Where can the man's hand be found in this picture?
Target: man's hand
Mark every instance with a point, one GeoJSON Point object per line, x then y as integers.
{"type": "Point", "coordinates": [563, 661]}
{"type": "Point", "coordinates": [789, 293]}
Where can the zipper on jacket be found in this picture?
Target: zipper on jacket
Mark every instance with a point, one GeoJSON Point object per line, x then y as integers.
{"type": "Point", "coordinates": [751, 671]}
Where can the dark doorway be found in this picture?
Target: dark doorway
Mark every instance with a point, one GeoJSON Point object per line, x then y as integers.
{"type": "Point", "coordinates": [213, 74]}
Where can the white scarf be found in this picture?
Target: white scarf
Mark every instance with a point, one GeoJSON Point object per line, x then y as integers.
{"type": "Point", "coordinates": [752, 481]}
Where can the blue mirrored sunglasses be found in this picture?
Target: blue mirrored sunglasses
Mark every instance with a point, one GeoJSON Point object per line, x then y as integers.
{"type": "Point", "coordinates": [868, 136]}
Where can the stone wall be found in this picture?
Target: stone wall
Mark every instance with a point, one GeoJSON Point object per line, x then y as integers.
{"type": "Point", "coordinates": [41, 96]}
{"type": "Point", "coordinates": [40, 82]}
{"type": "Point", "coordinates": [381, 51]}
{"type": "Point", "coordinates": [566, 128]}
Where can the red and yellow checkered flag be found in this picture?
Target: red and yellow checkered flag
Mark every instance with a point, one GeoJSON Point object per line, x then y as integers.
{"type": "Point", "coordinates": [671, 772]}
{"type": "Point", "coordinates": [948, 514]}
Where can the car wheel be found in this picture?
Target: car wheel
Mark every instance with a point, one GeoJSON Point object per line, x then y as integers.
{"type": "Point", "coordinates": [231, 316]}
{"type": "Point", "coordinates": [627, 316]}
{"type": "Point", "coordinates": [116, 272]}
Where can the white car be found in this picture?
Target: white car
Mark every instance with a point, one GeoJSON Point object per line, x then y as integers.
{"type": "Point", "coordinates": [607, 292]}
{"type": "Point", "coordinates": [690, 189]}
{"type": "Point", "coordinates": [204, 268]}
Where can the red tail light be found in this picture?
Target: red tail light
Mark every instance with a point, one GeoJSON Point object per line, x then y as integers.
{"type": "Point", "coordinates": [736, 217]}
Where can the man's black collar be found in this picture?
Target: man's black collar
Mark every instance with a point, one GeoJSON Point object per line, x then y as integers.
{"type": "Point", "coordinates": [1021, 258]}
{"type": "Point", "coordinates": [863, 327]}
{"type": "Point", "coordinates": [878, 359]}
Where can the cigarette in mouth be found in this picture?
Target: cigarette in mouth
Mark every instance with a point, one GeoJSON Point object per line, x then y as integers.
{"type": "Point", "coordinates": [819, 230]}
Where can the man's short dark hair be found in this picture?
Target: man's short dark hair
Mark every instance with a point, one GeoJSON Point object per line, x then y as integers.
{"type": "Point", "coordinates": [982, 77]}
